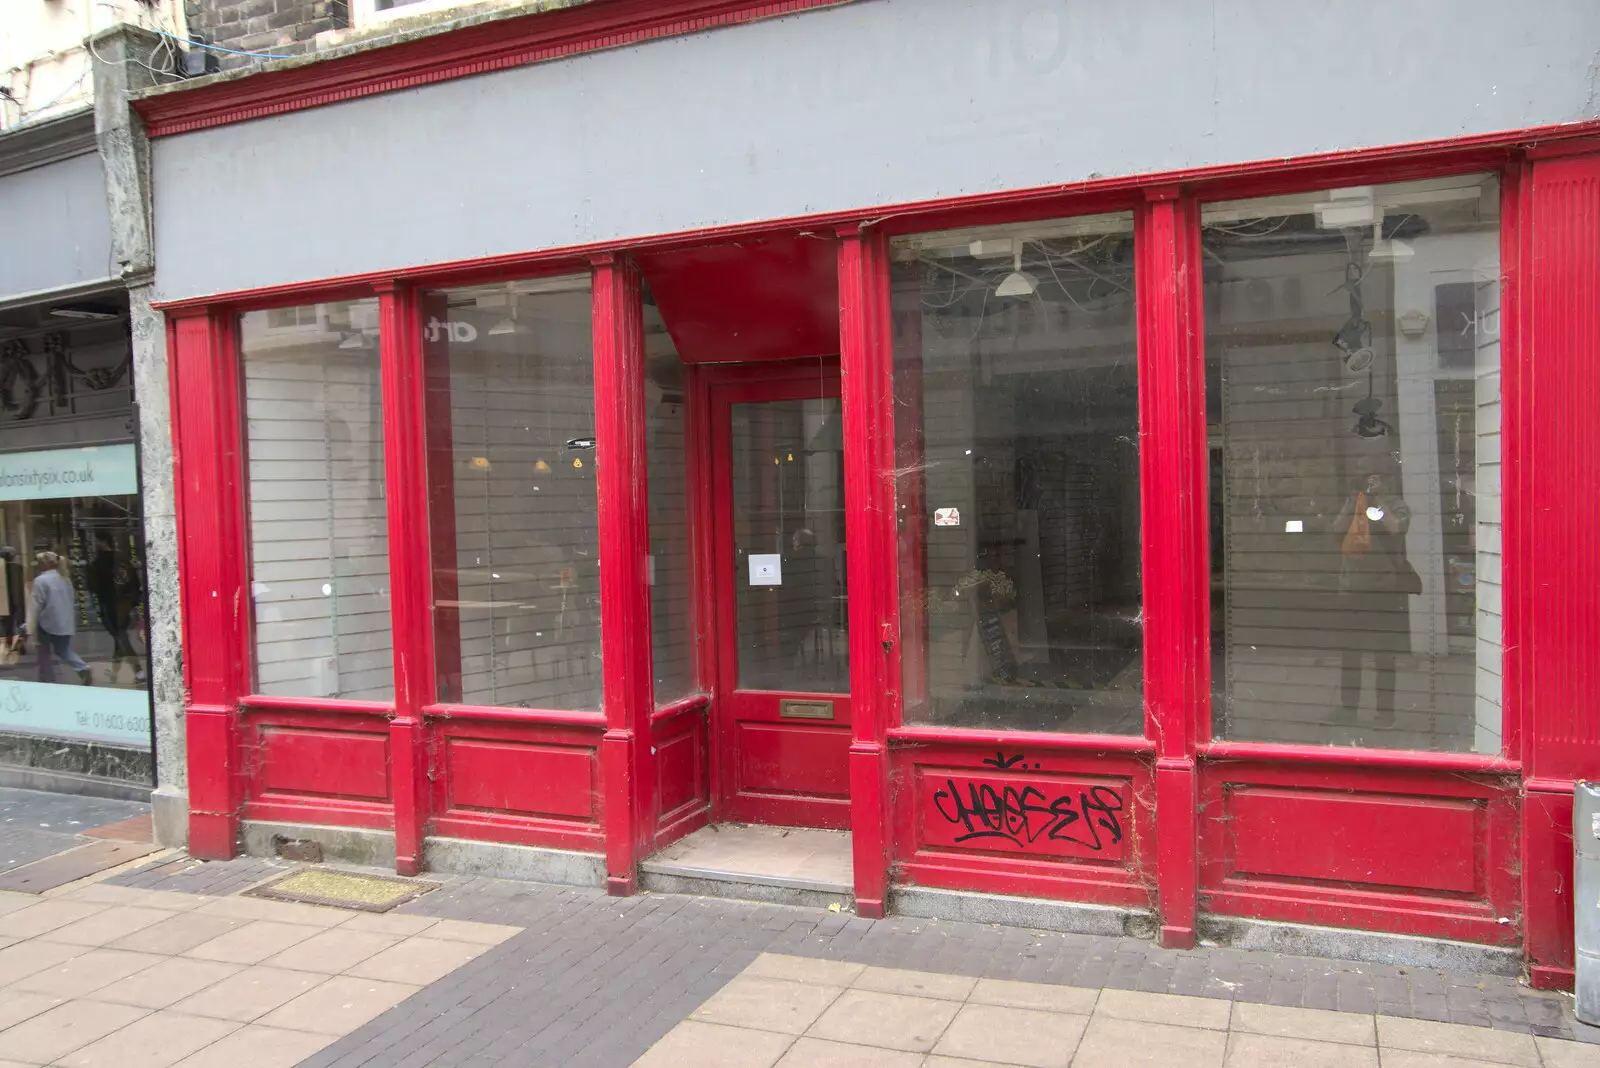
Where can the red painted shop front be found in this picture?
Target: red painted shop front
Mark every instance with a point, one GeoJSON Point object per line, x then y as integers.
{"type": "Point", "coordinates": [1218, 543]}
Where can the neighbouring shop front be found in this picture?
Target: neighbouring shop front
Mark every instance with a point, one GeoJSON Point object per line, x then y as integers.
{"type": "Point", "coordinates": [1173, 502]}
{"type": "Point", "coordinates": [74, 692]}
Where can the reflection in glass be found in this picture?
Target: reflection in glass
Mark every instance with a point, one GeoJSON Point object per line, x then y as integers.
{"type": "Point", "coordinates": [319, 539]}
{"type": "Point", "coordinates": [1353, 397]}
{"type": "Point", "coordinates": [666, 452]}
{"type": "Point", "coordinates": [510, 413]}
{"type": "Point", "coordinates": [788, 535]}
{"type": "Point", "coordinates": [1017, 430]}
{"type": "Point", "coordinates": [99, 545]}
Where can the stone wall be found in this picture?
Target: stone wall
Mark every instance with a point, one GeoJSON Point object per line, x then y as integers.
{"type": "Point", "coordinates": [279, 27]}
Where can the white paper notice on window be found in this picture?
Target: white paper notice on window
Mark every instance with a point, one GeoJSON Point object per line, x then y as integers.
{"type": "Point", "coordinates": [947, 517]}
{"type": "Point", "coordinates": [766, 569]}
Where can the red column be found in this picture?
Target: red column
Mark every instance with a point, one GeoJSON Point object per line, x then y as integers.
{"type": "Point", "coordinates": [866, 377]}
{"type": "Point", "coordinates": [1172, 480]}
{"type": "Point", "coordinates": [212, 558]}
{"type": "Point", "coordinates": [405, 460]}
{"type": "Point", "coordinates": [627, 771]}
{"type": "Point", "coordinates": [1551, 378]}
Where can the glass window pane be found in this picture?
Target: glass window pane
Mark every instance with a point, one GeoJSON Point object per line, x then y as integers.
{"type": "Point", "coordinates": [1017, 419]}
{"type": "Point", "coordinates": [319, 537]}
{"type": "Point", "coordinates": [1353, 398]}
{"type": "Point", "coordinates": [510, 412]}
{"type": "Point", "coordinates": [670, 569]}
{"type": "Point", "coordinates": [91, 612]}
{"type": "Point", "coordinates": [789, 546]}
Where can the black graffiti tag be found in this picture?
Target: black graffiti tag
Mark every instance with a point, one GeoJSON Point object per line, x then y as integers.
{"type": "Point", "coordinates": [1025, 814]}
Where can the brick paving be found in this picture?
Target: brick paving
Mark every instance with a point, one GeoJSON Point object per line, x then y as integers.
{"type": "Point", "coordinates": [35, 824]}
{"type": "Point", "coordinates": [596, 981]}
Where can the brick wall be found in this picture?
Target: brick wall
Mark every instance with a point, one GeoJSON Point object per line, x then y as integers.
{"type": "Point", "coordinates": [281, 27]}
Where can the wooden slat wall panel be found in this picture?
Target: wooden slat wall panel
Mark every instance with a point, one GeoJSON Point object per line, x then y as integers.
{"type": "Point", "coordinates": [1289, 453]}
{"type": "Point", "coordinates": [671, 592]}
{"type": "Point", "coordinates": [527, 554]}
{"type": "Point", "coordinates": [318, 520]}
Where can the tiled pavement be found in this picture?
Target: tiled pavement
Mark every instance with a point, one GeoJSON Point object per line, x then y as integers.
{"type": "Point", "coordinates": [97, 974]}
{"type": "Point", "coordinates": [800, 1012]}
{"type": "Point", "coordinates": [598, 981]}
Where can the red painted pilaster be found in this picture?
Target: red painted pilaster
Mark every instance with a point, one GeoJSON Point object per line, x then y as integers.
{"type": "Point", "coordinates": [867, 396]}
{"type": "Point", "coordinates": [627, 770]}
{"type": "Point", "coordinates": [405, 459]}
{"type": "Point", "coordinates": [1172, 480]}
{"type": "Point", "coordinates": [1552, 531]}
{"type": "Point", "coordinates": [212, 554]}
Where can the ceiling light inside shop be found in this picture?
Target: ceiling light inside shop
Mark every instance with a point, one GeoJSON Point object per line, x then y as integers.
{"type": "Point", "coordinates": [1018, 283]}
{"type": "Point", "coordinates": [1388, 249]}
{"type": "Point", "coordinates": [508, 325]}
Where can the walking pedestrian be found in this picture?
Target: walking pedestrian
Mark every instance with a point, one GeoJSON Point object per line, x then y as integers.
{"type": "Point", "coordinates": [53, 606]}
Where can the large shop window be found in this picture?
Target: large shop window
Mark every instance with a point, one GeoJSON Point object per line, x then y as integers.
{"type": "Point", "coordinates": [670, 567]}
{"type": "Point", "coordinates": [319, 544]}
{"type": "Point", "coordinates": [1353, 402]}
{"type": "Point", "coordinates": [511, 465]}
{"type": "Point", "coordinates": [1018, 493]}
{"type": "Point", "coordinates": [72, 599]}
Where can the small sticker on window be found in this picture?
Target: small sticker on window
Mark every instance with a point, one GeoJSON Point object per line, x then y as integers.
{"type": "Point", "coordinates": [1594, 825]}
{"type": "Point", "coordinates": [947, 517]}
{"type": "Point", "coordinates": [766, 569]}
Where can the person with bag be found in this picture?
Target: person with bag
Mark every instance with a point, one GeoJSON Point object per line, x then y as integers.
{"type": "Point", "coordinates": [1376, 582]}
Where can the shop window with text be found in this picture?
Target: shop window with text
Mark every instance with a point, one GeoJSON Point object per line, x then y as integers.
{"type": "Point", "coordinates": [319, 545]}
{"type": "Point", "coordinates": [670, 568]}
{"type": "Point", "coordinates": [512, 508]}
{"type": "Point", "coordinates": [1017, 429]}
{"type": "Point", "coordinates": [1353, 404]}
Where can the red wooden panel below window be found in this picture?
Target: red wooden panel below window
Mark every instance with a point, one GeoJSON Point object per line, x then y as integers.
{"type": "Point", "coordinates": [325, 763]}
{"type": "Point", "coordinates": [540, 780]}
{"type": "Point", "coordinates": [793, 760]}
{"type": "Point", "coordinates": [1033, 815]}
{"type": "Point", "coordinates": [1372, 839]}
{"type": "Point", "coordinates": [680, 771]}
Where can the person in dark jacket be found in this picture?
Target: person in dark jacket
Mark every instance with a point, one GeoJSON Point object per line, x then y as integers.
{"type": "Point", "coordinates": [1376, 582]}
{"type": "Point", "coordinates": [116, 595]}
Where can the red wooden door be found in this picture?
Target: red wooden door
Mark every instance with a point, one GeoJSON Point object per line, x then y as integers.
{"type": "Point", "coordinates": [783, 672]}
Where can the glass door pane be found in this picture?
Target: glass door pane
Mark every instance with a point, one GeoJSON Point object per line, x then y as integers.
{"type": "Point", "coordinates": [789, 547]}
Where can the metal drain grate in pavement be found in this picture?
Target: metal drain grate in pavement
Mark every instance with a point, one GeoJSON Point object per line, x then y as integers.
{"type": "Point", "coordinates": [342, 889]}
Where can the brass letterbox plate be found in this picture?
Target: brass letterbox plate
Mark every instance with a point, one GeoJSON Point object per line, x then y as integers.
{"type": "Point", "coordinates": [792, 709]}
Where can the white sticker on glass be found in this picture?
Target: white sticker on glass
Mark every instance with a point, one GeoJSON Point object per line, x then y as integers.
{"type": "Point", "coordinates": [766, 569]}
{"type": "Point", "coordinates": [947, 517]}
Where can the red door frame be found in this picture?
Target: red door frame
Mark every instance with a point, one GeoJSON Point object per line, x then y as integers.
{"type": "Point", "coordinates": [1550, 266]}
{"type": "Point", "coordinates": [723, 387]}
